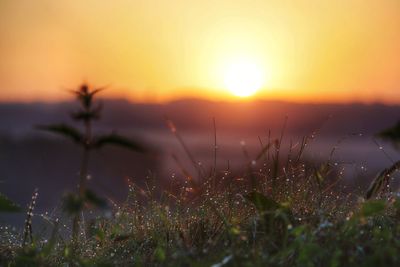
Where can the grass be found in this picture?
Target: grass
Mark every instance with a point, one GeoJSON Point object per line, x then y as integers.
{"type": "Point", "coordinates": [279, 210]}
{"type": "Point", "coordinates": [305, 225]}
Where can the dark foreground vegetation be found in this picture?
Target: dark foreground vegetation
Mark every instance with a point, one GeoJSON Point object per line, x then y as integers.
{"type": "Point", "coordinates": [279, 211]}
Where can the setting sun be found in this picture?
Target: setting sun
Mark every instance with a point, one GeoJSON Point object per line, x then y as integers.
{"type": "Point", "coordinates": [301, 52]}
{"type": "Point", "coordinates": [243, 78]}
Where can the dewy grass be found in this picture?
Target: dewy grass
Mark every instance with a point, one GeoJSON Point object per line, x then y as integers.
{"type": "Point", "coordinates": [271, 213]}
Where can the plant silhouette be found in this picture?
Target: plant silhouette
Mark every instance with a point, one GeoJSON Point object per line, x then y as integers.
{"type": "Point", "coordinates": [88, 112]}
{"type": "Point", "coordinates": [382, 179]}
{"type": "Point", "coordinates": [6, 205]}
{"type": "Point", "coordinates": [392, 135]}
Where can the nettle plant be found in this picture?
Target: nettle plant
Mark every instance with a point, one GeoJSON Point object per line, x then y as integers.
{"type": "Point", "coordinates": [75, 203]}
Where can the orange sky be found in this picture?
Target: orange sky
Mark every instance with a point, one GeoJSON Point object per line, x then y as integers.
{"type": "Point", "coordinates": [315, 50]}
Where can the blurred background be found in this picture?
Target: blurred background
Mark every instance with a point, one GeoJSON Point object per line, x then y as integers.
{"type": "Point", "coordinates": [30, 158]}
{"type": "Point", "coordinates": [330, 67]}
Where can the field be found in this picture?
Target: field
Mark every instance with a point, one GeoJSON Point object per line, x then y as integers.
{"type": "Point", "coordinates": [224, 221]}
{"type": "Point", "coordinates": [278, 210]}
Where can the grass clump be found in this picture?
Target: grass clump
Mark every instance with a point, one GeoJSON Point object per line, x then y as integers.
{"type": "Point", "coordinates": [227, 228]}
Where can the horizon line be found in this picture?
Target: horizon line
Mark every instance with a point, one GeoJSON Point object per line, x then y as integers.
{"type": "Point", "coordinates": [201, 99]}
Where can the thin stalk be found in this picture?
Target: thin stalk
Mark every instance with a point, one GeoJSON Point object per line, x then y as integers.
{"type": "Point", "coordinates": [82, 178]}
{"type": "Point", "coordinates": [276, 159]}
{"type": "Point", "coordinates": [215, 155]}
{"type": "Point", "coordinates": [382, 179]}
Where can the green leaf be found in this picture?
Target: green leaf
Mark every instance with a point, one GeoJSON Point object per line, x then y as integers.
{"type": "Point", "coordinates": [262, 203]}
{"type": "Point", "coordinates": [160, 254]}
{"type": "Point", "coordinates": [64, 130]}
{"type": "Point", "coordinates": [72, 203]}
{"type": "Point", "coordinates": [373, 207]}
{"type": "Point", "coordinates": [117, 140]}
{"type": "Point", "coordinates": [396, 204]}
{"type": "Point", "coordinates": [100, 235]}
{"type": "Point", "coordinates": [322, 172]}
{"type": "Point", "coordinates": [308, 252]}
{"type": "Point", "coordinates": [6, 205]}
{"type": "Point", "coordinates": [391, 134]}
{"type": "Point", "coordinates": [92, 198]}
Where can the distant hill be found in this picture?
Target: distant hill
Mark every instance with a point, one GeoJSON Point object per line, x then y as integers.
{"type": "Point", "coordinates": [194, 115]}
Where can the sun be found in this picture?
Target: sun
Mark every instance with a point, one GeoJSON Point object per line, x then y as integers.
{"type": "Point", "coordinates": [243, 78]}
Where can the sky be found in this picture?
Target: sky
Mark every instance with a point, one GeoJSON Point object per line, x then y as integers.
{"type": "Point", "coordinates": [156, 51]}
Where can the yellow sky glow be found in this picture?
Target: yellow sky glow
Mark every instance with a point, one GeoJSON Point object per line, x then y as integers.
{"type": "Point", "coordinates": [307, 51]}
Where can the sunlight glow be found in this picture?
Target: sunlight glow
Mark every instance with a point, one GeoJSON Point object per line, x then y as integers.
{"type": "Point", "coordinates": [243, 78]}
{"type": "Point", "coordinates": [213, 50]}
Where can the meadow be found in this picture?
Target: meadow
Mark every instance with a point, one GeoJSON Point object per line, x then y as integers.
{"type": "Point", "coordinates": [280, 209]}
